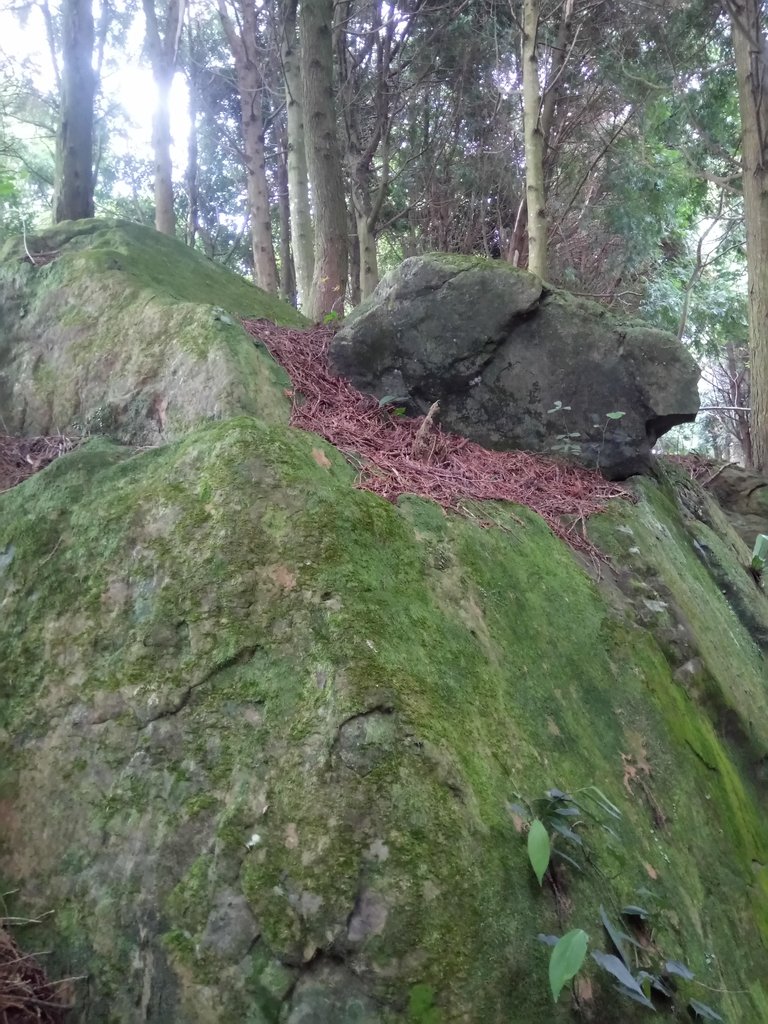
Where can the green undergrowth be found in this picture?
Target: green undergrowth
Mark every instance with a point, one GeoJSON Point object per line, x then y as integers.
{"type": "Point", "coordinates": [227, 669]}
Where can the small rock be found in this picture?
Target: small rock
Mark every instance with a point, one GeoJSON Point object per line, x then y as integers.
{"type": "Point", "coordinates": [690, 672]}
{"type": "Point", "coordinates": [369, 916]}
{"type": "Point", "coordinates": [231, 928]}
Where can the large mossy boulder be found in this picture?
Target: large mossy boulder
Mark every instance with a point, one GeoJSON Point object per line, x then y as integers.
{"type": "Point", "coordinates": [265, 739]}
{"type": "Point", "coordinates": [116, 329]}
{"type": "Point", "coordinates": [517, 365]}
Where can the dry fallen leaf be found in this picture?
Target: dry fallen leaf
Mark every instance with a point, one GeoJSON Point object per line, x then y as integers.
{"type": "Point", "coordinates": [321, 458]}
{"type": "Point", "coordinates": [282, 576]}
{"type": "Point", "coordinates": [584, 992]}
{"type": "Point", "coordinates": [517, 822]}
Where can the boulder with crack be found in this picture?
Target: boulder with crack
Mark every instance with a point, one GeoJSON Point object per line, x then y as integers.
{"type": "Point", "coordinates": [514, 364]}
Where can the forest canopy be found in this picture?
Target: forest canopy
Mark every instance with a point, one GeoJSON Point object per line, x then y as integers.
{"type": "Point", "coordinates": [614, 148]}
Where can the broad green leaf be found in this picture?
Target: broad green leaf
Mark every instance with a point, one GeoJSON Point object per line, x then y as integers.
{"type": "Point", "coordinates": [615, 415]}
{"type": "Point", "coordinates": [567, 833]}
{"type": "Point", "coordinates": [704, 1012]}
{"type": "Point", "coordinates": [538, 848]}
{"type": "Point", "coordinates": [392, 400]}
{"type": "Point", "coordinates": [617, 937]}
{"type": "Point", "coordinates": [567, 959]}
{"type": "Point", "coordinates": [614, 966]}
{"type": "Point", "coordinates": [557, 794]}
{"type": "Point", "coordinates": [635, 911]}
{"type": "Point", "coordinates": [675, 967]}
{"type": "Point", "coordinates": [657, 984]}
{"type": "Point", "coordinates": [637, 997]}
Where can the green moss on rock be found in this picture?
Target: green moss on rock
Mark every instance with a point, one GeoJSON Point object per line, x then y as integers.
{"type": "Point", "coordinates": [227, 670]}
{"type": "Point", "coordinates": [130, 333]}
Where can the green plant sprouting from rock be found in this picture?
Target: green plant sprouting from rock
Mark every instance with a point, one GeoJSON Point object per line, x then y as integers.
{"type": "Point", "coordinates": [638, 968]}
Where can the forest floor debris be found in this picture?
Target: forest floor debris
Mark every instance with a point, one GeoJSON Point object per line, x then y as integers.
{"type": "Point", "coordinates": [394, 454]}
{"type": "Point", "coordinates": [21, 457]}
{"type": "Point", "coordinates": [26, 995]}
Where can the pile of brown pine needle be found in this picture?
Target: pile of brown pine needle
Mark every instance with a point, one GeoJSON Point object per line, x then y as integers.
{"type": "Point", "coordinates": [21, 457]}
{"type": "Point", "coordinates": [26, 995]}
{"type": "Point", "coordinates": [398, 455]}
{"type": "Point", "coordinates": [394, 455]}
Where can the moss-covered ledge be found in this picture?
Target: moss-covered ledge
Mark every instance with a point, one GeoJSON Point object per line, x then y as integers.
{"type": "Point", "coordinates": [260, 731]}
{"type": "Point", "coordinates": [129, 333]}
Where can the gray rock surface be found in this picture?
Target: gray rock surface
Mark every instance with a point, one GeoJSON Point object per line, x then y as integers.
{"type": "Point", "coordinates": [231, 928]}
{"type": "Point", "coordinates": [499, 351]}
{"type": "Point", "coordinates": [743, 496]}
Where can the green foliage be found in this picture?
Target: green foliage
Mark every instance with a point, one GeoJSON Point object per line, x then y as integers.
{"type": "Point", "coordinates": [634, 963]}
{"type": "Point", "coordinates": [538, 849]}
{"type": "Point", "coordinates": [566, 960]}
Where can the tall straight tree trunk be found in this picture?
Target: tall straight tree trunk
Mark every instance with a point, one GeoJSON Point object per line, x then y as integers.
{"type": "Point", "coordinates": [353, 247]}
{"type": "Point", "coordinates": [244, 46]}
{"type": "Point", "coordinates": [264, 264]}
{"type": "Point", "coordinates": [555, 80]}
{"type": "Point", "coordinates": [534, 142]}
{"type": "Point", "coordinates": [367, 127]}
{"type": "Point", "coordinates": [302, 231]}
{"type": "Point", "coordinates": [369, 265]}
{"type": "Point", "coordinates": [751, 52]}
{"type": "Point", "coordinates": [163, 50]}
{"type": "Point", "coordinates": [192, 174]}
{"type": "Point", "coordinates": [329, 282]}
{"type": "Point", "coordinates": [287, 268]}
{"type": "Point", "coordinates": [739, 397]}
{"type": "Point", "coordinates": [73, 193]}
{"type": "Point", "coordinates": [165, 217]}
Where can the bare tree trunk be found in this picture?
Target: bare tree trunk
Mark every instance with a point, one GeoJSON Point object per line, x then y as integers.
{"type": "Point", "coordinates": [738, 396]}
{"type": "Point", "coordinates": [165, 217]}
{"type": "Point", "coordinates": [554, 87]}
{"type": "Point", "coordinates": [192, 175]}
{"type": "Point", "coordinates": [163, 51]}
{"type": "Point", "coordinates": [367, 136]}
{"type": "Point", "coordinates": [534, 143]}
{"type": "Point", "coordinates": [354, 260]}
{"type": "Point", "coordinates": [751, 52]}
{"type": "Point", "coordinates": [369, 265]}
{"type": "Point", "coordinates": [329, 282]}
{"type": "Point", "coordinates": [302, 232]}
{"type": "Point", "coordinates": [73, 193]}
{"type": "Point", "coordinates": [287, 269]}
{"type": "Point", "coordinates": [244, 46]}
